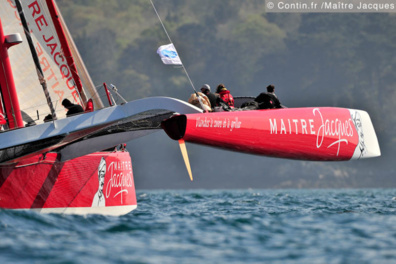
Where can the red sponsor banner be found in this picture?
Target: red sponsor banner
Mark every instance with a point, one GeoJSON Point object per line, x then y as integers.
{"type": "Point", "coordinates": [101, 179]}
{"type": "Point", "coordinates": [297, 133]}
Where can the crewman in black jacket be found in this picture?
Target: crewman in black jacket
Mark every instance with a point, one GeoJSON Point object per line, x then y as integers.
{"type": "Point", "coordinates": [269, 99]}
{"type": "Point", "coordinates": [72, 108]}
{"type": "Point", "coordinates": [211, 96]}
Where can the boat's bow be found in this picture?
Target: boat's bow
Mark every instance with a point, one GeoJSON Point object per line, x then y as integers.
{"type": "Point", "coordinates": [325, 133]}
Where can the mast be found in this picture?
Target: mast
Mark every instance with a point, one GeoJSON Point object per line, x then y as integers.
{"type": "Point", "coordinates": [66, 49]}
{"type": "Point", "coordinates": [7, 84]}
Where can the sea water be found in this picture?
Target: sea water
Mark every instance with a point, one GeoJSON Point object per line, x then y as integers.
{"type": "Point", "coordinates": [219, 226]}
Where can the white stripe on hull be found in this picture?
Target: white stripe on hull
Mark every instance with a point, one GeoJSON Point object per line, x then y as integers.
{"type": "Point", "coordinates": [105, 210]}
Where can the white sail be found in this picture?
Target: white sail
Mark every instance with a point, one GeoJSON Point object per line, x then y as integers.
{"type": "Point", "coordinates": [57, 73]}
{"type": "Point", "coordinates": [83, 72]}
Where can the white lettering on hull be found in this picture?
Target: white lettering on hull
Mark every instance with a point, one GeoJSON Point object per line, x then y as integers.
{"type": "Point", "coordinates": [327, 128]}
{"type": "Point", "coordinates": [224, 123]}
{"type": "Point", "coordinates": [118, 179]}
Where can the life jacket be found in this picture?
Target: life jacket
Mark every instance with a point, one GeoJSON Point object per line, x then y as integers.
{"type": "Point", "coordinates": [226, 96]}
{"type": "Point", "coordinates": [90, 106]}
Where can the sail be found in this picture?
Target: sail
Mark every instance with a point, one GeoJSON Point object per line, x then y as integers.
{"type": "Point", "coordinates": [82, 70]}
{"type": "Point", "coordinates": [61, 77]}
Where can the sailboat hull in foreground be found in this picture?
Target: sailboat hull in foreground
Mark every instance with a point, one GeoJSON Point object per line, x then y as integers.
{"type": "Point", "coordinates": [98, 183]}
{"type": "Point", "coordinates": [322, 134]}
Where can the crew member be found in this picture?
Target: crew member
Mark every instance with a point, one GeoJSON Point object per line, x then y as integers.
{"type": "Point", "coordinates": [72, 109]}
{"type": "Point", "coordinates": [195, 101]}
{"type": "Point", "coordinates": [225, 95]}
{"type": "Point", "coordinates": [271, 92]}
{"type": "Point", "coordinates": [269, 99]}
{"type": "Point", "coordinates": [205, 89]}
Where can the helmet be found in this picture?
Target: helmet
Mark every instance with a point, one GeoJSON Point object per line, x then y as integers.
{"type": "Point", "coordinates": [205, 86]}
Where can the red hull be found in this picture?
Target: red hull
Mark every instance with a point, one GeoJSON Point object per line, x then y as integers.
{"type": "Point", "coordinates": [47, 185]}
{"type": "Point", "coordinates": [323, 134]}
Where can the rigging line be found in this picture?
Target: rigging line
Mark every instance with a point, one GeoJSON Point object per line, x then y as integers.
{"type": "Point", "coordinates": [35, 58]}
{"type": "Point", "coordinates": [182, 64]}
{"type": "Point", "coordinates": [166, 32]}
{"type": "Point", "coordinates": [98, 88]}
{"type": "Point", "coordinates": [96, 93]}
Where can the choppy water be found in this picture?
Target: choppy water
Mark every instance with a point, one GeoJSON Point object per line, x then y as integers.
{"type": "Point", "coordinates": [250, 226]}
